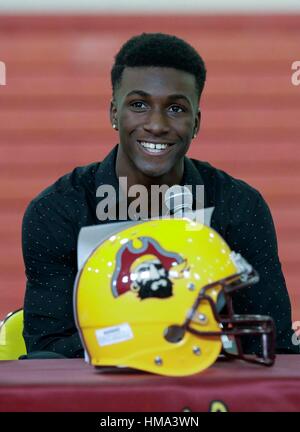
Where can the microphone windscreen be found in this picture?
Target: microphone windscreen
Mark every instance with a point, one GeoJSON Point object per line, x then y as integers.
{"type": "Point", "coordinates": [178, 198]}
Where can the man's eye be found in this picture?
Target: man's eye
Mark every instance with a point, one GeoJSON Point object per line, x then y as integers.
{"type": "Point", "coordinates": [176, 108]}
{"type": "Point", "coordinates": [138, 105]}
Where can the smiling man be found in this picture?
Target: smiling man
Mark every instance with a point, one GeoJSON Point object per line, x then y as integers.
{"type": "Point", "coordinates": [156, 112]}
{"type": "Point", "coordinates": [157, 81]}
{"type": "Point", "coordinates": [155, 108]}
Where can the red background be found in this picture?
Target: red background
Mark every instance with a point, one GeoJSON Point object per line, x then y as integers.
{"type": "Point", "coordinates": [54, 113]}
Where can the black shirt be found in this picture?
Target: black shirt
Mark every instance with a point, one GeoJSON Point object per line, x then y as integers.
{"type": "Point", "coordinates": [54, 218]}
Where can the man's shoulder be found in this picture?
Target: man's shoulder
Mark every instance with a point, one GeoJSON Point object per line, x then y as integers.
{"type": "Point", "coordinates": [72, 187]}
{"type": "Point", "coordinates": [218, 180]}
{"type": "Point", "coordinates": [79, 180]}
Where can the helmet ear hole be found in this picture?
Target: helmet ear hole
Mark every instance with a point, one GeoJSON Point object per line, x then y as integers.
{"type": "Point", "coordinates": [174, 334]}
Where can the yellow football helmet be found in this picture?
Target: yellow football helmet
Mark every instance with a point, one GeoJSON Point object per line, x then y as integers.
{"type": "Point", "coordinates": [147, 298]}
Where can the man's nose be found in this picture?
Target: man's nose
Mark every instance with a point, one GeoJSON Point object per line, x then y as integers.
{"type": "Point", "coordinates": [157, 123]}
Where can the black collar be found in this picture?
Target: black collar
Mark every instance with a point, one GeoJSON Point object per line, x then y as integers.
{"type": "Point", "coordinates": [106, 174]}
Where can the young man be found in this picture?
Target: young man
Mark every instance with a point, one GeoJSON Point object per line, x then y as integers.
{"type": "Point", "coordinates": [157, 82]}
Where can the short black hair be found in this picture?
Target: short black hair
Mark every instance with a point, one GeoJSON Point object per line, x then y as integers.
{"type": "Point", "coordinates": [159, 50]}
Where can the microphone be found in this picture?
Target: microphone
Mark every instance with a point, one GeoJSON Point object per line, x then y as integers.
{"type": "Point", "coordinates": [179, 201]}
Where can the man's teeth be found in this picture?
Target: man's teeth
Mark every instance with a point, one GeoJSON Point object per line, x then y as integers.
{"type": "Point", "coordinates": [154, 148]}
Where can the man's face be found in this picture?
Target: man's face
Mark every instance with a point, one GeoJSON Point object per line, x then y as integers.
{"type": "Point", "coordinates": [156, 112]}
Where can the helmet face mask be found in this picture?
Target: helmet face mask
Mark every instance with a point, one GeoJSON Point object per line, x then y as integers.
{"type": "Point", "coordinates": [149, 297]}
{"type": "Point", "coordinates": [234, 326]}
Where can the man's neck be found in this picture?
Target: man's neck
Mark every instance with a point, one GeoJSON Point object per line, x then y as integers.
{"type": "Point", "coordinates": [135, 177]}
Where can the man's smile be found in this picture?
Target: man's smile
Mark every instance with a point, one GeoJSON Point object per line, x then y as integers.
{"type": "Point", "coordinates": [154, 148]}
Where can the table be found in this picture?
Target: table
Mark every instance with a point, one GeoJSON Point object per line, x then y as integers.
{"type": "Point", "coordinates": [72, 385]}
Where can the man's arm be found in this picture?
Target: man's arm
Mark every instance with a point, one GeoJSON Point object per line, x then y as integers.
{"type": "Point", "coordinates": [49, 251]}
{"type": "Point", "coordinates": [257, 242]}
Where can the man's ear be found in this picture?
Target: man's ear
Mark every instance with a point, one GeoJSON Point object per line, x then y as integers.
{"type": "Point", "coordinates": [113, 114]}
{"type": "Point", "coordinates": [198, 120]}
{"type": "Point", "coordinates": [197, 123]}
